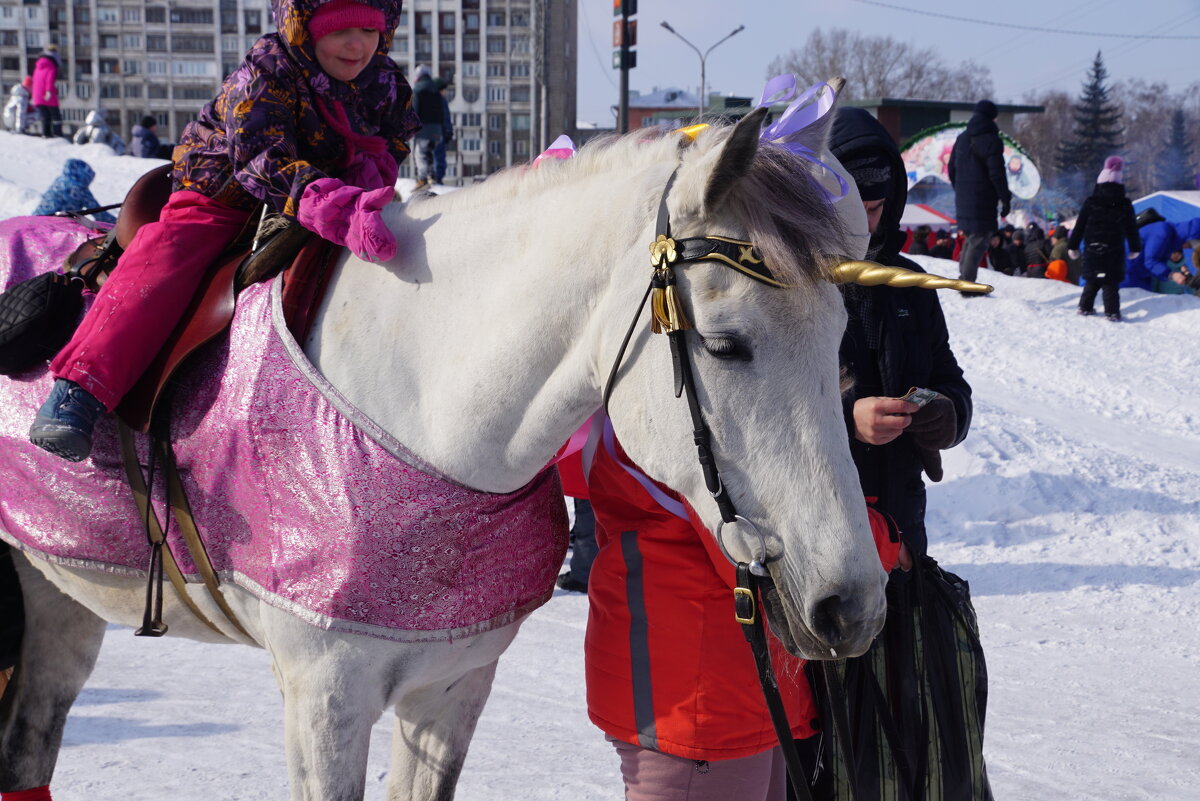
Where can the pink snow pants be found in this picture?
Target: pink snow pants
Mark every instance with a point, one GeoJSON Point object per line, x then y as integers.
{"type": "Point", "coordinates": [144, 298]}
{"type": "Point", "coordinates": [655, 776]}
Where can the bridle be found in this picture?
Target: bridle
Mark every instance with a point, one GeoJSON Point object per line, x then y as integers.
{"type": "Point", "coordinates": [668, 316]}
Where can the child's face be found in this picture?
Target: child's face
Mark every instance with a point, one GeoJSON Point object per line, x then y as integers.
{"type": "Point", "coordinates": [344, 54]}
{"type": "Point", "coordinates": [1176, 255]}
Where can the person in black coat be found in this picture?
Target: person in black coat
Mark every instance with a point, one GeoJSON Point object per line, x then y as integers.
{"type": "Point", "coordinates": [997, 254]}
{"type": "Point", "coordinates": [896, 339]}
{"type": "Point", "coordinates": [1106, 223]}
{"type": "Point", "coordinates": [977, 173]}
{"type": "Point", "coordinates": [428, 103]}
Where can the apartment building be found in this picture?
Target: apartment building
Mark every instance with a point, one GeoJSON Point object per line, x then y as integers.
{"type": "Point", "coordinates": [511, 63]}
{"type": "Point", "coordinates": [512, 67]}
{"type": "Point", "coordinates": [131, 58]}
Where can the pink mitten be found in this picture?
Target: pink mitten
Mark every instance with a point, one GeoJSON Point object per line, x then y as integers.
{"type": "Point", "coordinates": [347, 215]}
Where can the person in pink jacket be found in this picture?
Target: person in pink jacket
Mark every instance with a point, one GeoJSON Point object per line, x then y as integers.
{"type": "Point", "coordinates": [45, 91]}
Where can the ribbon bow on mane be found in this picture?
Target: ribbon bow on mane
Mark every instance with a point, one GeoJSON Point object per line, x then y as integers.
{"type": "Point", "coordinates": [806, 108]}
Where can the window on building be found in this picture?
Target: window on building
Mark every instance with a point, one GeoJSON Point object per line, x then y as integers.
{"type": "Point", "coordinates": [9, 39]}
{"type": "Point", "coordinates": [470, 20]}
{"type": "Point", "coordinates": [34, 14]}
{"type": "Point", "coordinates": [131, 68]}
{"type": "Point", "coordinates": [446, 48]}
{"type": "Point", "coordinates": [131, 14]}
{"type": "Point", "coordinates": [156, 43]}
{"type": "Point", "coordinates": [446, 22]}
{"type": "Point", "coordinates": [205, 69]}
{"type": "Point", "coordinates": [495, 148]}
{"type": "Point", "coordinates": [229, 20]}
{"type": "Point", "coordinates": [497, 93]}
{"type": "Point", "coordinates": [470, 46]}
{"type": "Point", "coordinates": [156, 68]}
{"type": "Point", "coordinates": [156, 91]}
{"type": "Point", "coordinates": [192, 44]}
{"type": "Point", "coordinates": [7, 12]}
{"type": "Point", "coordinates": [495, 44]}
{"type": "Point", "coordinates": [520, 44]}
{"type": "Point", "coordinates": [154, 14]}
{"type": "Point", "coordinates": [231, 43]}
{"type": "Point", "coordinates": [110, 90]}
{"type": "Point", "coordinates": [495, 69]}
{"type": "Point", "coordinates": [403, 20]}
{"type": "Point", "coordinates": [133, 90]}
{"type": "Point", "coordinates": [520, 122]}
{"type": "Point", "coordinates": [470, 70]}
{"type": "Point", "coordinates": [519, 94]}
{"type": "Point", "coordinates": [521, 147]}
{"type": "Point", "coordinates": [109, 66]}
{"type": "Point", "coordinates": [10, 63]}
{"type": "Point", "coordinates": [228, 67]}
{"type": "Point", "coordinates": [131, 41]}
{"type": "Point", "coordinates": [58, 16]}
{"type": "Point", "coordinates": [83, 16]}
{"type": "Point", "coordinates": [196, 92]}
{"type": "Point", "coordinates": [108, 41]}
{"type": "Point", "coordinates": [83, 67]}
{"type": "Point", "coordinates": [253, 20]}
{"type": "Point", "coordinates": [194, 16]}
{"type": "Point", "coordinates": [83, 91]}
{"type": "Point", "coordinates": [470, 119]}
{"type": "Point", "coordinates": [495, 122]}
{"type": "Point", "coordinates": [34, 39]}
{"type": "Point", "coordinates": [108, 14]}
{"type": "Point", "coordinates": [520, 69]}
{"type": "Point", "coordinates": [519, 19]}
{"type": "Point", "coordinates": [400, 45]}
{"type": "Point", "coordinates": [495, 19]}
{"type": "Point", "coordinates": [470, 145]}
{"type": "Point", "coordinates": [424, 20]}
{"type": "Point", "coordinates": [470, 93]}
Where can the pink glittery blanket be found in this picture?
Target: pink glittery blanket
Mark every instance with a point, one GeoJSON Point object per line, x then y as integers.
{"type": "Point", "coordinates": [300, 499]}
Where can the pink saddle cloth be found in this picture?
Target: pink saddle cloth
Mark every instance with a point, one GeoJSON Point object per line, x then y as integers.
{"type": "Point", "coordinates": [300, 498]}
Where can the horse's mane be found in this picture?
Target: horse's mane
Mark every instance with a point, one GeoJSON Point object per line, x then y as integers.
{"type": "Point", "coordinates": [787, 214]}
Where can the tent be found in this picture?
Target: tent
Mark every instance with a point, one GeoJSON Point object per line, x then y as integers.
{"type": "Point", "coordinates": [919, 214]}
{"type": "Point", "coordinates": [1173, 206]}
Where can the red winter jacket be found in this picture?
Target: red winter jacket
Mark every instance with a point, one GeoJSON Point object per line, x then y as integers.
{"type": "Point", "coordinates": [668, 667]}
{"type": "Point", "coordinates": [45, 73]}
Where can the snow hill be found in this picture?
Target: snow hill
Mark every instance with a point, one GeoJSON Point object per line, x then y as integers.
{"type": "Point", "coordinates": [1073, 508]}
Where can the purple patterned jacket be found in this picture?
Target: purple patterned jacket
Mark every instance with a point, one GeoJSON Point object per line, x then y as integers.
{"type": "Point", "coordinates": [263, 139]}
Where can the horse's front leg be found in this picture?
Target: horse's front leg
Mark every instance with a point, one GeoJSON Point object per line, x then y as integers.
{"type": "Point", "coordinates": [333, 692]}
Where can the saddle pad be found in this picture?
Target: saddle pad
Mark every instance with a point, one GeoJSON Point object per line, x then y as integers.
{"type": "Point", "coordinates": [300, 499]}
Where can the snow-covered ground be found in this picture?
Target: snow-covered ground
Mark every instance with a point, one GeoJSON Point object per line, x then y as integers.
{"type": "Point", "coordinates": [1073, 508]}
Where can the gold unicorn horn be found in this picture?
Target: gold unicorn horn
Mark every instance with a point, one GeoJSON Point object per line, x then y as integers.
{"type": "Point", "coordinates": [868, 273]}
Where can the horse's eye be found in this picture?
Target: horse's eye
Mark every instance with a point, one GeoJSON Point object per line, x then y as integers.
{"type": "Point", "coordinates": [727, 347]}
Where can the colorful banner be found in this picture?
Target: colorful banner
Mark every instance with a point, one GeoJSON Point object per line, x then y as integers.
{"type": "Point", "coordinates": [928, 153]}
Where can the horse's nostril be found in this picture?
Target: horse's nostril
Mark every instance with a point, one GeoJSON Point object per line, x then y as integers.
{"type": "Point", "coordinates": [829, 621]}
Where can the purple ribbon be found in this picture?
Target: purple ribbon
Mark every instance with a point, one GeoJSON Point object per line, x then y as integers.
{"type": "Point", "coordinates": [806, 108]}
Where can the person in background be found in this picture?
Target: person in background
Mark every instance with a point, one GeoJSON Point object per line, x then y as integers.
{"type": "Point", "coordinates": [71, 191]}
{"type": "Point", "coordinates": [1016, 254]}
{"type": "Point", "coordinates": [95, 130]}
{"type": "Point", "coordinates": [144, 139]}
{"type": "Point", "coordinates": [1106, 223]}
{"type": "Point", "coordinates": [920, 241]}
{"type": "Point", "coordinates": [1060, 265]}
{"type": "Point", "coordinates": [313, 123]}
{"type": "Point", "coordinates": [45, 91]}
{"type": "Point", "coordinates": [1036, 252]}
{"type": "Point", "coordinates": [942, 246]}
{"type": "Point", "coordinates": [439, 151]}
{"type": "Point", "coordinates": [583, 549]}
{"type": "Point", "coordinates": [16, 110]}
{"type": "Point", "coordinates": [427, 103]}
{"type": "Point", "coordinates": [977, 173]}
{"type": "Point", "coordinates": [895, 339]}
{"type": "Point", "coordinates": [998, 257]}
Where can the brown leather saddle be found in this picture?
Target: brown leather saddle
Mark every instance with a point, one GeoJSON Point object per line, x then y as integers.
{"type": "Point", "coordinates": [306, 260]}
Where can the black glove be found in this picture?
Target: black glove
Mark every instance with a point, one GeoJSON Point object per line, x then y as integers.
{"type": "Point", "coordinates": [1005, 207]}
{"type": "Point", "coordinates": [931, 461]}
{"type": "Point", "coordinates": [934, 425]}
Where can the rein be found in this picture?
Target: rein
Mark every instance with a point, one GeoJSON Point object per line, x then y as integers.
{"type": "Point", "coordinates": [668, 317]}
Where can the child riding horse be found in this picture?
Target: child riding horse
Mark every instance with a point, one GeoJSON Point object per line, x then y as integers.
{"type": "Point", "coordinates": [318, 99]}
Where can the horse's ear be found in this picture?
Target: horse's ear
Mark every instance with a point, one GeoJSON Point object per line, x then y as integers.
{"type": "Point", "coordinates": [736, 157]}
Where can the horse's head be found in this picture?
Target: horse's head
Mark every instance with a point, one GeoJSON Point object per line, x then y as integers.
{"type": "Point", "coordinates": [765, 359]}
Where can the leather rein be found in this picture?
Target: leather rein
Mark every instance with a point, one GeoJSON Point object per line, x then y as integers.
{"type": "Point", "coordinates": [667, 315]}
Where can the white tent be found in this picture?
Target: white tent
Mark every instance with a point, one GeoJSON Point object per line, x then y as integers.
{"type": "Point", "coordinates": [919, 214]}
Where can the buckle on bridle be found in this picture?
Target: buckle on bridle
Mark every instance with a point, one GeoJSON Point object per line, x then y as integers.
{"type": "Point", "coordinates": [744, 610]}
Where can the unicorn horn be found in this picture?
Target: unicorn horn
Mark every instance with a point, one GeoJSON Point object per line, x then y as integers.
{"type": "Point", "coordinates": [868, 273]}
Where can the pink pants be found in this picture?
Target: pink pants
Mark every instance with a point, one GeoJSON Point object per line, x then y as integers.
{"type": "Point", "coordinates": [143, 300]}
{"type": "Point", "coordinates": [655, 776]}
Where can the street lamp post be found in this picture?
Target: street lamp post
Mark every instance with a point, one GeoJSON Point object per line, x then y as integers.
{"type": "Point", "coordinates": [703, 57]}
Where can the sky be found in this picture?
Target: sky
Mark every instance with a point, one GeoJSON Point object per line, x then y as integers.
{"type": "Point", "coordinates": [1071, 508]}
{"type": "Point", "coordinates": [1019, 60]}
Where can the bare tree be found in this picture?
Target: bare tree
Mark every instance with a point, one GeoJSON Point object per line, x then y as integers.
{"type": "Point", "coordinates": [880, 66]}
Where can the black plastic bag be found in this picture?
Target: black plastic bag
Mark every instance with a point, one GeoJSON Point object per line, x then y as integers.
{"type": "Point", "coordinates": [37, 317]}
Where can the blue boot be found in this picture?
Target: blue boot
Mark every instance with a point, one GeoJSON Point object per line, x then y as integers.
{"type": "Point", "coordinates": [64, 424]}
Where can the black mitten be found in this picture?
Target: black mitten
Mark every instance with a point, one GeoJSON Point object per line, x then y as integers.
{"type": "Point", "coordinates": [934, 425]}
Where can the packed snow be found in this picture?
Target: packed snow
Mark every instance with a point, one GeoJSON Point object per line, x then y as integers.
{"type": "Point", "coordinates": [1072, 508]}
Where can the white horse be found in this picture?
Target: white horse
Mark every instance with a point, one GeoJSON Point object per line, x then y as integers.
{"type": "Point", "coordinates": [482, 346]}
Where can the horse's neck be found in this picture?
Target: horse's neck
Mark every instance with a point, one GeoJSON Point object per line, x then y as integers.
{"type": "Point", "coordinates": [480, 351]}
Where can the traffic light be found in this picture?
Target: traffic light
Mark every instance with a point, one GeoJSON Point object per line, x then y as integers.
{"type": "Point", "coordinates": [626, 7]}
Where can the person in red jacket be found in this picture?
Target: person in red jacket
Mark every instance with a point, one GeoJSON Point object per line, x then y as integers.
{"type": "Point", "coordinates": [670, 678]}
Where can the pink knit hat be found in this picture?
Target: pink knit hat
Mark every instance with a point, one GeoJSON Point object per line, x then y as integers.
{"type": "Point", "coordinates": [1112, 172]}
{"type": "Point", "coordinates": [340, 14]}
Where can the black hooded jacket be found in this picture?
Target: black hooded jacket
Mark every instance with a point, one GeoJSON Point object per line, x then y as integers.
{"type": "Point", "coordinates": [976, 171]}
{"type": "Point", "coordinates": [1106, 223]}
{"type": "Point", "coordinates": [896, 339]}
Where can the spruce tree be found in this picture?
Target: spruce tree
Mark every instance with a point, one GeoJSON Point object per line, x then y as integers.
{"type": "Point", "coordinates": [1174, 168]}
{"type": "Point", "coordinates": [1096, 135]}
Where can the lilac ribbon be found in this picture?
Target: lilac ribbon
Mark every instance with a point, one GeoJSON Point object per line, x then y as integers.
{"type": "Point", "coordinates": [806, 108]}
